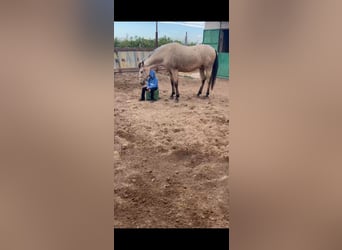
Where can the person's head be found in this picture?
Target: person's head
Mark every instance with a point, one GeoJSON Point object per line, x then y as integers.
{"type": "Point", "coordinates": [152, 74]}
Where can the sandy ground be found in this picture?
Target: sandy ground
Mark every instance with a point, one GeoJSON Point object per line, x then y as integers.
{"type": "Point", "coordinates": [171, 159]}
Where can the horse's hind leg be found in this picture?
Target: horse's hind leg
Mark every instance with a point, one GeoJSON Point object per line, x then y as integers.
{"type": "Point", "coordinates": [208, 72]}
{"type": "Point", "coordinates": [203, 81]}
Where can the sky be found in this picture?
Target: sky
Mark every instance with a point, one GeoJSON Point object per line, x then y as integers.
{"type": "Point", "coordinates": [174, 30]}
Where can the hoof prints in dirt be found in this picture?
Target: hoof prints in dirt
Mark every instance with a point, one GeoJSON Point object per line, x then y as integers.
{"type": "Point", "coordinates": [145, 199]}
{"type": "Point", "coordinates": [170, 158]}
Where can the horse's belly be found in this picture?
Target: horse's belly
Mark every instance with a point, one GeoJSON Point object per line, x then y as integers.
{"type": "Point", "coordinates": [189, 67]}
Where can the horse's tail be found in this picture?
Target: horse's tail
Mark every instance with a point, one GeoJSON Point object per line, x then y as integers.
{"type": "Point", "coordinates": [214, 72]}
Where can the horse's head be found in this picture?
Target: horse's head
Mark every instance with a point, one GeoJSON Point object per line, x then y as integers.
{"type": "Point", "coordinates": [143, 74]}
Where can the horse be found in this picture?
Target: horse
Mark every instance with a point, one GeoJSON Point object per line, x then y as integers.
{"type": "Point", "coordinates": [176, 58]}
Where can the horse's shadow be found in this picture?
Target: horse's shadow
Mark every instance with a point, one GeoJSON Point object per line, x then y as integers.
{"type": "Point", "coordinates": [185, 98]}
{"type": "Point", "coordinates": [202, 97]}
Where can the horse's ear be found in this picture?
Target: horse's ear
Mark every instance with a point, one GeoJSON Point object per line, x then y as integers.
{"type": "Point", "coordinates": [141, 64]}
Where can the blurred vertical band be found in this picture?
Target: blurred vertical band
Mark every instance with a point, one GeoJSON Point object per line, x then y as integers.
{"type": "Point", "coordinates": [56, 125]}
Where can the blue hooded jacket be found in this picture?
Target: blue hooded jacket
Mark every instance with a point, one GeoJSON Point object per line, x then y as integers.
{"type": "Point", "coordinates": [152, 81]}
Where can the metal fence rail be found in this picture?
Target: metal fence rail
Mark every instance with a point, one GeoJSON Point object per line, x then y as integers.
{"type": "Point", "coordinates": [129, 58]}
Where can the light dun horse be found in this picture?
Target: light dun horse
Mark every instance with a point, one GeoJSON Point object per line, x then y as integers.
{"type": "Point", "coordinates": [180, 58]}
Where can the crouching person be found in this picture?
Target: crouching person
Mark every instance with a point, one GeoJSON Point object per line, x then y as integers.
{"type": "Point", "coordinates": [152, 85]}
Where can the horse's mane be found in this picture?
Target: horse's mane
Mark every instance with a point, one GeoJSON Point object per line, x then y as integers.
{"type": "Point", "coordinates": [149, 55]}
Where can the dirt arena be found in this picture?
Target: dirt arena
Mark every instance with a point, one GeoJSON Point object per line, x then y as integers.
{"type": "Point", "coordinates": [171, 159]}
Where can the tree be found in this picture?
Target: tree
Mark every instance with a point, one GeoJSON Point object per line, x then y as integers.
{"type": "Point", "coordinates": [140, 42]}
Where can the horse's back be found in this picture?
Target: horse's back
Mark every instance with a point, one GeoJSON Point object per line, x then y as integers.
{"type": "Point", "coordinates": [205, 49]}
{"type": "Point", "coordinates": [186, 58]}
{"type": "Point", "coordinates": [206, 53]}
{"type": "Point", "coordinates": [175, 48]}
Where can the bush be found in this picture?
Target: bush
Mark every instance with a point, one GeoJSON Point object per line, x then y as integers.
{"type": "Point", "coordinates": [139, 42]}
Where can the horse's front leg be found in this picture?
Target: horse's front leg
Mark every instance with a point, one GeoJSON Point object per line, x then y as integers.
{"type": "Point", "coordinates": [173, 89]}
{"type": "Point", "coordinates": [177, 92]}
{"type": "Point", "coordinates": [174, 80]}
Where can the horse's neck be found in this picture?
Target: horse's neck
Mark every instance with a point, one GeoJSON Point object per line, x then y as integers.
{"type": "Point", "coordinates": [155, 60]}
